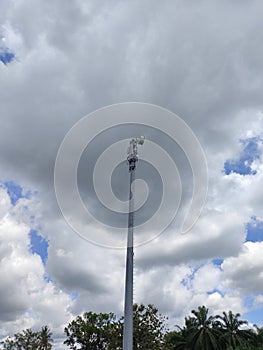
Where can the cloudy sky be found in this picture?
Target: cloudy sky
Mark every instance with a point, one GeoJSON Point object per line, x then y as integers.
{"type": "Point", "coordinates": [61, 60]}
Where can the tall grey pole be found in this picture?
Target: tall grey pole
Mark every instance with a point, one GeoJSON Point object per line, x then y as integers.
{"type": "Point", "coordinates": [128, 306]}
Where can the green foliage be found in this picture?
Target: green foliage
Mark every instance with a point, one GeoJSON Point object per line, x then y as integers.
{"type": "Point", "coordinates": [256, 340]}
{"type": "Point", "coordinates": [103, 331]}
{"type": "Point", "coordinates": [29, 340]}
{"type": "Point", "coordinates": [91, 331]}
{"type": "Point", "coordinates": [199, 332]}
{"type": "Point", "coordinates": [176, 340]}
{"type": "Point", "coordinates": [149, 326]}
{"type": "Point", "coordinates": [232, 336]}
{"type": "Point", "coordinates": [203, 332]}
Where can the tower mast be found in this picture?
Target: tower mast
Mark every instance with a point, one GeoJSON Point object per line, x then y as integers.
{"type": "Point", "coordinates": [128, 306]}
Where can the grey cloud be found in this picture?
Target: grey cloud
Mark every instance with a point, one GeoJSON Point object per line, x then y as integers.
{"type": "Point", "coordinates": [75, 276]}
{"type": "Point", "coordinates": [202, 60]}
{"type": "Point", "coordinates": [245, 270]}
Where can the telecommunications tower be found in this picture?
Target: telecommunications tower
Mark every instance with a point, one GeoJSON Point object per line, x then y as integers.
{"type": "Point", "coordinates": [128, 305]}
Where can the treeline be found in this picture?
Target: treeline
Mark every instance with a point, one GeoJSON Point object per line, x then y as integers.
{"type": "Point", "coordinates": [103, 331]}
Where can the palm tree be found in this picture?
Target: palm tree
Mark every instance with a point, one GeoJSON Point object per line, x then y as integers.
{"type": "Point", "coordinates": [45, 338]}
{"type": "Point", "coordinates": [199, 333]}
{"type": "Point", "coordinates": [204, 331]}
{"type": "Point", "coordinates": [178, 339]}
{"type": "Point", "coordinates": [232, 336]}
{"type": "Point", "coordinates": [259, 336]}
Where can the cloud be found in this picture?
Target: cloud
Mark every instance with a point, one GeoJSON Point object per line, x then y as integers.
{"type": "Point", "coordinates": [202, 61]}
{"type": "Point", "coordinates": [27, 299]}
{"type": "Point", "coordinates": [245, 270]}
{"type": "Point", "coordinates": [249, 154]}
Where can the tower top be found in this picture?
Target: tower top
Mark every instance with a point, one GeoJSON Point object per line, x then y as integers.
{"type": "Point", "coordinates": [132, 157]}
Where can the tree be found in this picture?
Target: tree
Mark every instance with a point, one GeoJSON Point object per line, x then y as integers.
{"type": "Point", "coordinates": [29, 340]}
{"type": "Point", "coordinates": [148, 327]}
{"type": "Point", "coordinates": [258, 339]}
{"type": "Point", "coordinates": [199, 332]}
{"type": "Point", "coordinates": [104, 331]}
{"type": "Point", "coordinates": [214, 332]}
{"type": "Point", "coordinates": [45, 339]}
{"type": "Point", "coordinates": [176, 340]}
{"type": "Point", "coordinates": [182, 338]}
{"type": "Point", "coordinates": [232, 336]}
{"type": "Point", "coordinates": [91, 331]}
{"type": "Point", "coordinates": [205, 333]}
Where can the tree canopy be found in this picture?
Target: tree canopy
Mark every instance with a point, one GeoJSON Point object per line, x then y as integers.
{"type": "Point", "coordinates": [104, 331]}
{"type": "Point", "coordinates": [204, 332]}
{"type": "Point", "coordinates": [29, 340]}
{"type": "Point", "coordinates": [91, 331]}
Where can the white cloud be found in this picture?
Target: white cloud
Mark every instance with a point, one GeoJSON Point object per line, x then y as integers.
{"type": "Point", "coordinates": [207, 278]}
{"type": "Point", "coordinates": [5, 202]}
{"type": "Point", "coordinates": [27, 299]}
{"type": "Point", "coordinates": [246, 270]}
{"type": "Point", "coordinates": [204, 62]}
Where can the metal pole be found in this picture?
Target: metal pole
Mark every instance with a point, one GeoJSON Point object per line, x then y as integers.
{"type": "Point", "coordinates": [128, 306]}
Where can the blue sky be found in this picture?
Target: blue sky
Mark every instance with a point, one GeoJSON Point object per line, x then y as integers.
{"type": "Point", "coordinates": [60, 61]}
{"type": "Point", "coordinates": [6, 56]}
{"type": "Point", "coordinates": [38, 245]}
{"type": "Point", "coordinates": [255, 316]}
{"type": "Point", "coordinates": [255, 230]}
{"type": "Point", "coordinates": [249, 153]}
{"type": "Point", "coordinates": [15, 191]}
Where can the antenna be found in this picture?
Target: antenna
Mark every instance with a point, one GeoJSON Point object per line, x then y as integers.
{"type": "Point", "coordinates": [132, 160]}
